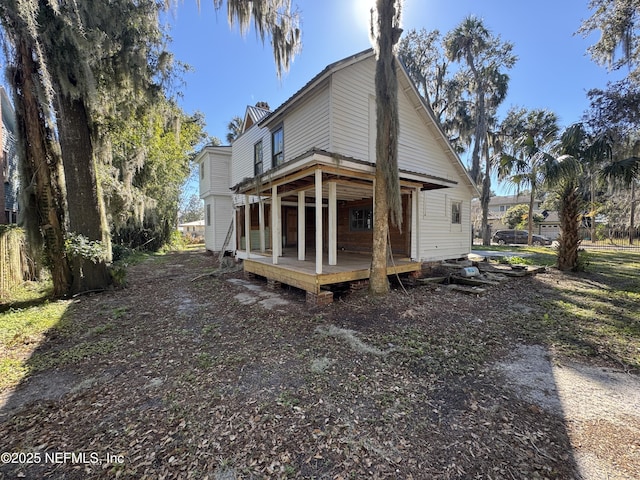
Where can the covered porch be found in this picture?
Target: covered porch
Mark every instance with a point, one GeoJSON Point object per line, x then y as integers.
{"type": "Point", "coordinates": [320, 208]}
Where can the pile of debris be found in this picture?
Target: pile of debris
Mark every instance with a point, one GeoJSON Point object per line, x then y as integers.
{"type": "Point", "coordinates": [475, 277]}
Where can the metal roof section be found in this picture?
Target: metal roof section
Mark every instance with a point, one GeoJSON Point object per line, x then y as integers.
{"type": "Point", "coordinates": [252, 116]}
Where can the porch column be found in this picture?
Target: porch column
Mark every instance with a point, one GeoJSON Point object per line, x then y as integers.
{"type": "Point", "coordinates": [261, 215]}
{"type": "Point", "coordinates": [301, 226]}
{"type": "Point", "coordinates": [415, 195]}
{"type": "Point", "coordinates": [318, 221]}
{"type": "Point", "coordinates": [275, 221]}
{"type": "Point", "coordinates": [247, 225]}
{"type": "Point", "coordinates": [333, 224]}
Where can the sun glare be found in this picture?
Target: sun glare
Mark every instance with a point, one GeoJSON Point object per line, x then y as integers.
{"type": "Point", "coordinates": [362, 13]}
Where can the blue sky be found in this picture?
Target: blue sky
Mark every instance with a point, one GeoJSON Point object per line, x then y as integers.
{"type": "Point", "coordinates": [231, 71]}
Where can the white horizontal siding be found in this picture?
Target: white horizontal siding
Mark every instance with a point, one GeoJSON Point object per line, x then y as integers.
{"type": "Point", "coordinates": [214, 169]}
{"type": "Point", "coordinates": [204, 177]}
{"type": "Point", "coordinates": [222, 218]}
{"type": "Point", "coordinates": [242, 156]}
{"type": "Point", "coordinates": [219, 173]}
{"type": "Point", "coordinates": [350, 124]}
{"type": "Point", "coordinates": [307, 126]}
{"type": "Point", "coordinates": [439, 238]}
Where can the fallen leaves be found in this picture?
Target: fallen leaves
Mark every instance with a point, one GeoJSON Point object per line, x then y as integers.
{"type": "Point", "coordinates": [393, 389]}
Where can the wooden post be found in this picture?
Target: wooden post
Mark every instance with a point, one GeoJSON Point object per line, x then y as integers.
{"type": "Point", "coordinates": [318, 221]}
{"type": "Point", "coordinates": [261, 219]}
{"type": "Point", "coordinates": [247, 225]}
{"type": "Point", "coordinates": [415, 195]}
{"type": "Point", "coordinates": [301, 226]}
{"type": "Point", "coordinates": [275, 221]}
{"type": "Point", "coordinates": [333, 224]}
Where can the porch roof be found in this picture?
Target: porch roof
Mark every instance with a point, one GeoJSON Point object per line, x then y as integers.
{"type": "Point", "coordinates": [354, 177]}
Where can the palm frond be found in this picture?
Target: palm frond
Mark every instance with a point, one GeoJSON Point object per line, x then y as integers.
{"type": "Point", "coordinates": [625, 170]}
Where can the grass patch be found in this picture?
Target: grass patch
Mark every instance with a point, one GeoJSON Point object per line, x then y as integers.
{"type": "Point", "coordinates": [21, 332]}
{"type": "Point", "coordinates": [68, 356]}
{"type": "Point", "coordinates": [595, 313]}
{"type": "Point", "coordinates": [21, 326]}
{"type": "Point", "coordinates": [12, 371]}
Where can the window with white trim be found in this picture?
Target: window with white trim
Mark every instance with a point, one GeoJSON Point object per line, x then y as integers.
{"type": "Point", "coordinates": [257, 158]}
{"type": "Point", "coordinates": [277, 146]}
{"type": "Point", "coordinates": [456, 212]}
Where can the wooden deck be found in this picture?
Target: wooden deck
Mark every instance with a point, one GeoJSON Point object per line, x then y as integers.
{"type": "Point", "coordinates": [301, 274]}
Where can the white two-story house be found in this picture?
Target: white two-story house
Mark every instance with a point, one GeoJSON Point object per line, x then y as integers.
{"type": "Point", "coordinates": [301, 179]}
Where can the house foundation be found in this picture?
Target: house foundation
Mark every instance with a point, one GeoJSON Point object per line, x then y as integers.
{"type": "Point", "coordinates": [325, 297]}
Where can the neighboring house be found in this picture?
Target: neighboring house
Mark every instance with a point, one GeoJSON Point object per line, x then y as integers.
{"type": "Point", "coordinates": [499, 205]}
{"type": "Point", "coordinates": [313, 159]}
{"type": "Point", "coordinates": [9, 183]}
{"type": "Point", "coordinates": [194, 229]}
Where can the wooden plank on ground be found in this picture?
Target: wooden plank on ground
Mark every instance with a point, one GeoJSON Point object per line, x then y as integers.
{"type": "Point", "coordinates": [467, 290]}
{"type": "Point", "coordinates": [475, 282]}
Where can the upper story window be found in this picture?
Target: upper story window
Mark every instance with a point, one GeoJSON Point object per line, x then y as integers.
{"type": "Point", "coordinates": [277, 146]}
{"type": "Point", "coordinates": [202, 170]}
{"type": "Point", "coordinates": [456, 212]}
{"type": "Point", "coordinates": [257, 158]}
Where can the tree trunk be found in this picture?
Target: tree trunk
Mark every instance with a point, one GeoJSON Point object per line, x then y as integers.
{"type": "Point", "coordinates": [378, 281]}
{"type": "Point", "coordinates": [569, 238]}
{"type": "Point", "coordinates": [481, 121]}
{"type": "Point", "coordinates": [484, 201]}
{"type": "Point", "coordinates": [41, 172]}
{"type": "Point", "coordinates": [85, 204]}
{"type": "Point", "coordinates": [632, 215]}
{"type": "Point", "coordinates": [530, 220]}
{"type": "Point", "coordinates": [387, 186]}
{"type": "Point", "coordinates": [592, 229]}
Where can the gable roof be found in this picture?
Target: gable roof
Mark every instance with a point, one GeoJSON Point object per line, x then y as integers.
{"type": "Point", "coordinates": [252, 116]}
{"type": "Point", "coordinates": [314, 82]}
{"type": "Point", "coordinates": [403, 76]}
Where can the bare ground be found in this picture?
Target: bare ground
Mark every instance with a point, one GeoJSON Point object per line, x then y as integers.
{"type": "Point", "coordinates": [221, 378]}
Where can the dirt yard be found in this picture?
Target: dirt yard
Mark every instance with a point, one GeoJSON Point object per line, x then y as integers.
{"type": "Point", "coordinates": [222, 378]}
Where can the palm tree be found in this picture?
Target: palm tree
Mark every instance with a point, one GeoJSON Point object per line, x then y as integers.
{"type": "Point", "coordinates": [577, 150]}
{"type": "Point", "coordinates": [466, 43]}
{"type": "Point", "coordinates": [528, 139]}
{"type": "Point", "coordinates": [496, 92]}
{"type": "Point", "coordinates": [627, 173]}
{"type": "Point", "coordinates": [387, 201]}
{"type": "Point", "coordinates": [234, 128]}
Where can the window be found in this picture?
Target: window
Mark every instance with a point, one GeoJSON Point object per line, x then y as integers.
{"type": "Point", "coordinates": [502, 207]}
{"type": "Point", "coordinates": [257, 158]}
{"type": "Point", "coordinates": [361, 219]}
{"type": "Point", "coordinates": [456, 212]}
{"type": "Point", "coordinates": [277, 147]}
{"type": "Point", "coordinates": [202, 170]}
{"type": "Point", "coordinates": [208, 214]}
